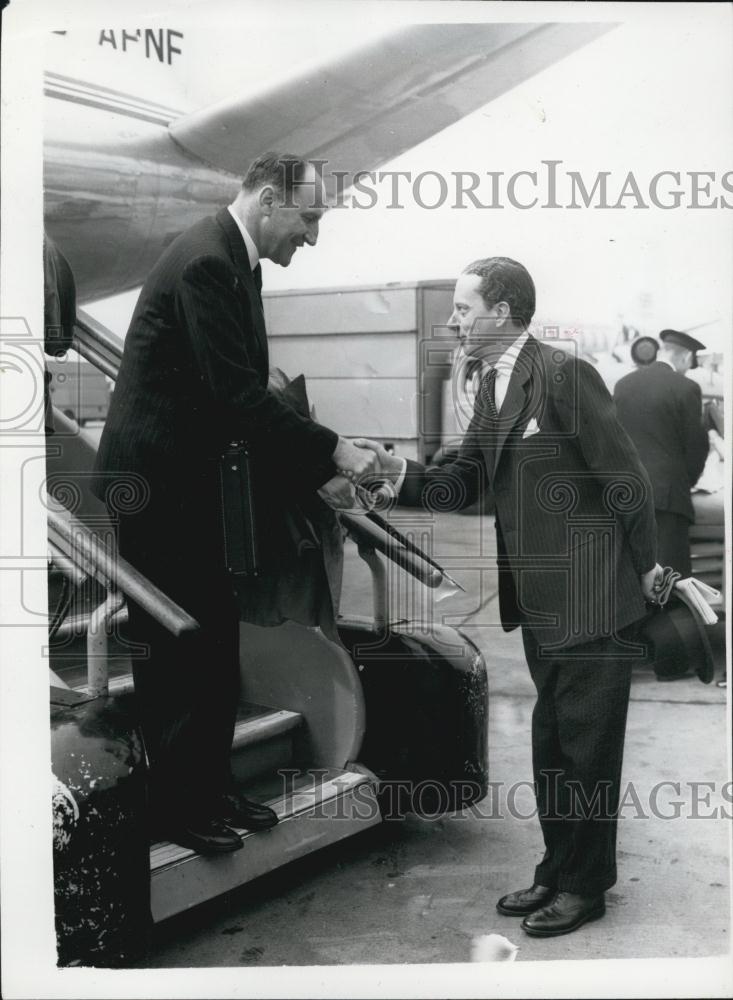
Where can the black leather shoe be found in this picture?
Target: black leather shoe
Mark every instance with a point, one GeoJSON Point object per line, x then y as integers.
{"type": "Point", "coordinates": [245, 814]}
{"type": "Point", "coordinates": [519, 904]}
{"type": "Point", "coordinates": [567, 912]}
{"type": "Point", "coordinates": [206, 836]}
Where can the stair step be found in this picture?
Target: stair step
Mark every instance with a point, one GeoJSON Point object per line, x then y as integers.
{"type": "Point", "coordinates": [263, 741]}
{"type": "Point", "coordinates": [272, 722]}
{"type": "Point", "coordinates": [262, 736]}
{"type": "Point", "coordinates": [255, 724]}
{"type": "Point", "coordinates": [314, 810]}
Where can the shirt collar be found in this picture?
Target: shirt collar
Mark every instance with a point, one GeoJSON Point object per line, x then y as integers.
{"type": "Point", "coordinates": [505, 364]}
{"type": "Point", "coordinates": [252, 252]}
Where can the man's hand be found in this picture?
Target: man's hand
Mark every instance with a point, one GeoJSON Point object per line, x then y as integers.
{"type": "Point", "coordinates": [354, 462]}
{"type": "Point", "coordinates": [390, 465]}
{"type": "Point", "coordinates": [338, 493]}
{"type": "Point", "coordinates": [647, 583]}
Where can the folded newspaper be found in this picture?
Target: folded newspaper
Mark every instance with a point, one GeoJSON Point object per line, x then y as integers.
{"type": "Point", "coordinates": [701, 596]}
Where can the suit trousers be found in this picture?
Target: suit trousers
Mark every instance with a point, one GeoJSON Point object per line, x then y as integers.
{"type": "Point", "coordinates": [187, 689]}
{"type": "Point", "coordinates": [578, 729]}
{"type": "Point", "coordinates": [673, 541]}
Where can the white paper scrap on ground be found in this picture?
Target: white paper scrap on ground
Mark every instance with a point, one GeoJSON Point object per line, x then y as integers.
{"type": "Point", "coordinates": [492, 948]}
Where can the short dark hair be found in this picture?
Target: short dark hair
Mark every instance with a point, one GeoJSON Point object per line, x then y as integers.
{"type": "Point", "coordinates": [282, 170]}
{"type": "Point", "coordinates": [505, 280]}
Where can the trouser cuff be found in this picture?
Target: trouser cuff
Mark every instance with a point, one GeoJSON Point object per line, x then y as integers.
{"type": "Point", "coordinates": [585, 885]}
{"type": "Point", "coordinates": [546, 875]}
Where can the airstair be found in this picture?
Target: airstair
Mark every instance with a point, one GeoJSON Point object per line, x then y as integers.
{"type": "Point", "coordinates": [300, 731]}
{"type": "Point", "coordinates": [297, 736]}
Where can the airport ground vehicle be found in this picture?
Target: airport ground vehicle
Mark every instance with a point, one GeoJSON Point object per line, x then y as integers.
{"type": "Point", "coordinates": [78, 389]}
{"type": "Point", "coordinates": [331, 736]}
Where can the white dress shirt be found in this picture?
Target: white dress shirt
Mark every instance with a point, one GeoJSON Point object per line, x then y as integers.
{"type": "Point", "coordinates": [504, 368]}
{"type": "Point", "coordinates": [252, 252]}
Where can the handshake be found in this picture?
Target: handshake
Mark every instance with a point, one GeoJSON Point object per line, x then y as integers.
{"type": "Point", "coordinates": [358, 462]}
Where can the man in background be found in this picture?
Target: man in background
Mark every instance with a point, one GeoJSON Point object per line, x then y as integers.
{"type": "Point", "coordinates": [661, 411]}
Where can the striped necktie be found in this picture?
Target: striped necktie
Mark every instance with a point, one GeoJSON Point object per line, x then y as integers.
{"type": "Point", "coordinates": [486, 394]}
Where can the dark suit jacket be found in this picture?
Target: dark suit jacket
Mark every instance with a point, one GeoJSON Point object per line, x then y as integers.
{"type": "Point", "coordinates": [194, 377]}
{"type": "Point", "coordinates": [661, 411]}
{"type": "Point", "coordinates": [574, 517]}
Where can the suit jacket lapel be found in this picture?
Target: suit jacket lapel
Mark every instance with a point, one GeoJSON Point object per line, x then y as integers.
{"type": "Point", "coordinates": [237, 249]}
{"type": "Point", "coordinates": [515, 399]}
{"type": "Point", "coordinates": [252, 280]}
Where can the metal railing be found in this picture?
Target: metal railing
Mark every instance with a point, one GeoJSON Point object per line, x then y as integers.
{"type": "Point", "coordinates": [78, 551]}
{"type": "Point", "coordinates": [371, 540]}
{"type": "Point", "coordinates": [97, 344]}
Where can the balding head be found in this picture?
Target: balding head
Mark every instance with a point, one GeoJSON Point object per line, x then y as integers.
{"type": "Point", "coordinates": [281, 204]}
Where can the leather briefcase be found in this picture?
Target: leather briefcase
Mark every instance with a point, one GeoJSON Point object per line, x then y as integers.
{"type": "Point", "coordinates": [239, 531]}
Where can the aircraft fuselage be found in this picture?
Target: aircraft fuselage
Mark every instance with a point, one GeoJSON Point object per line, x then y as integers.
{"type": "Point", "coordinates": [118, 188]}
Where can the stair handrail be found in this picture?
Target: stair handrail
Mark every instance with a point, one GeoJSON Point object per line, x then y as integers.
{"type": "Point", "coordinates": [368, 535]}
{"type": "Point", "coordinates": [91, 553]}
{"type": "Point", "coordinates": [97, 344]}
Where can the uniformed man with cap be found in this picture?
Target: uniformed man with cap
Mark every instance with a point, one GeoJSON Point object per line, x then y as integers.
{"type": "Point", "coordinates": [661, 411]}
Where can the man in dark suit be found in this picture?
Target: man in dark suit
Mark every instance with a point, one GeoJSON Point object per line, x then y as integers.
{"type": "Point", "coordinates": [576, 555]}
{"type": "Point", "coordinates": [193, 378]}
{"type": "Point", "coordinates": [661, 411]}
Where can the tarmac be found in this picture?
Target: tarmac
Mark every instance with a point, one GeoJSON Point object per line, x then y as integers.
{"type": "Point", "coordinates": [421, 890]}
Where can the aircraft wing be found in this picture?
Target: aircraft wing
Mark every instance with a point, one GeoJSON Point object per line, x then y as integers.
{"type": "Point", "coordinates": [123, 177]}
{"type": "Point", "coordinates": [377, 101]}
